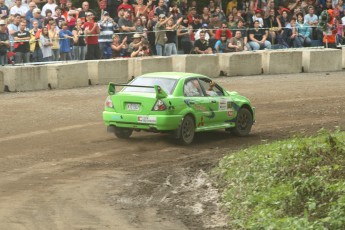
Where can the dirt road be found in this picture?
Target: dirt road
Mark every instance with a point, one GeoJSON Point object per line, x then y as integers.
{"type": "Point", "coordinates": [60, 169]}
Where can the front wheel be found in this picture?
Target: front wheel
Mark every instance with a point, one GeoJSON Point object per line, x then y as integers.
{"type": "Point", "coordinates": [123, 133]}
{"type": "Point", "coordinates": [243, 124]}
{"type": "Point", "coordinates": [186, 131]}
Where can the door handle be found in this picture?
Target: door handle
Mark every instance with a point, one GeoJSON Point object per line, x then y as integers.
{"type": "Point", "coordinates": [213, 101]}
{"type": "Point", "coordinates": [192, 102]}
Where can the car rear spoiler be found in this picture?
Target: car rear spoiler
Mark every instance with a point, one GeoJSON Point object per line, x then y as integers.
{"type": "Point", "coordinates": [160, 93]}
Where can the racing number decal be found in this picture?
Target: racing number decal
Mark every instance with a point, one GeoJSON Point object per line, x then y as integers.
{"type": "Point", "coordinates": [201, 123]}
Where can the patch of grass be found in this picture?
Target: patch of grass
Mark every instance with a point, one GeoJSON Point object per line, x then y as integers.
{"type": "Point", "coordinates": [297, 183]}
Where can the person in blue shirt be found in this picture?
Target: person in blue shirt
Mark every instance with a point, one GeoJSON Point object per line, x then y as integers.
{"type": "Point", "coordinates": [220, 45]}
{"type": "Point", "coordinates": [65, 42]}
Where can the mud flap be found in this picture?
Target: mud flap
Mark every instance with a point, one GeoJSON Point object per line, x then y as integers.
{"type": "Point", "coordinates": [111, 129]}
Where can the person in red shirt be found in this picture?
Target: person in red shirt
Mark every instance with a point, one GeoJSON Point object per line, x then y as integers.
{"type": "Point", "coordinates": [223, 30]}
{"type": "Point", "coordinates": [92, 31]}
{"type": "Point", "coordinates": [125, 6]}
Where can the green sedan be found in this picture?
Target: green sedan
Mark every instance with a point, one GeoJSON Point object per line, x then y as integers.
{"type": "Point", "coordinates": [175, 102]}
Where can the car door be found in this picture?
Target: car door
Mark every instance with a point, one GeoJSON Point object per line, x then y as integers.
{"type": "Point", "coordinates": [218, 103]}
{"type": "Point", "coordinates": [196, 100]}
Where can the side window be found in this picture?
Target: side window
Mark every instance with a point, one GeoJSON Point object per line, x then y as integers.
{"type": "Point", "coordinates": [212, 90]}
{"type": "Point", "coordinates": [192, 88]}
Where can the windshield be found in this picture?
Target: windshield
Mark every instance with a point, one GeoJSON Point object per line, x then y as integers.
{"type": "Point", "coordinates": [167, 84]}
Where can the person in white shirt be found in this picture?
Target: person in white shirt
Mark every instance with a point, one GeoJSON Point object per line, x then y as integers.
{"type": "Point", "coordinates": [19, 8]}
{"type": "Point", "coordinates": [49, 5]}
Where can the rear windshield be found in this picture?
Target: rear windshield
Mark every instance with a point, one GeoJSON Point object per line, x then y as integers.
{"type": "Point", "coordinates": [166, 84]}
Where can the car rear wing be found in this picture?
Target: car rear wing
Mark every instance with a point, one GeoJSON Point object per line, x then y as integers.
{"type": "Point", "coordinates": [160, 93]}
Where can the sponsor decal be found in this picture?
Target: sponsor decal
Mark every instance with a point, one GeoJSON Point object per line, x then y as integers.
{"type": "Point", "coordinates": [223, 104]}
{"type": "Point", "coordinates": [201, 123]}
{"type": "Point", "coordinates": [147, 119]}
{"type": "Point", "coordinates": [116, 117]}
{"type": "Point", "coordinates": [212, 114]}
{"type": "Point", "coordinates": [230, 113]}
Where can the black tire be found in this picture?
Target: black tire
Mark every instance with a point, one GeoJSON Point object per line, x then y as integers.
{"type": "Point", "coordinates": [243, 124]}
{"type": "Point", "coordinates": [123, 133]}
{"type": "Point", "coordinates": [186, 131]}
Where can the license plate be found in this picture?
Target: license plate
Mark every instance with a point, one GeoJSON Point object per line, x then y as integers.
{"type": "Point", "coordinates": [147, 119]}
{"type": "Point", "coordinates": [133, 107]}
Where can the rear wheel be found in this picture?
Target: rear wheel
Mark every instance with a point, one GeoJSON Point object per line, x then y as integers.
{"type": "Point", "coordinates": [186, 130]}
{"type": "Point", "coordinates": [244, 122]}
{"type": "Point", "coordinates": [123, 133]}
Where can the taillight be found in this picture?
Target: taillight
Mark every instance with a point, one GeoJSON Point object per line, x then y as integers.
{"type": "Point", "coordinates": [159, 106]}
{"type": "Point", "coordinates": [108, 103]}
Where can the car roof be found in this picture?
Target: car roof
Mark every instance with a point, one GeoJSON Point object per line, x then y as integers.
{"type": "Point", "coordinates": [174, 75]}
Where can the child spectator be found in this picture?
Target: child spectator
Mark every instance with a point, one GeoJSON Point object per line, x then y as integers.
{"type": "Point", "coordinates": [46, 45]}
{"type": "Point", "coordinates": [65, 45]}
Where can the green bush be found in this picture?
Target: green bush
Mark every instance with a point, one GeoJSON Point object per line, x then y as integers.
{"type": "Point", "coordinates": [292, 184]}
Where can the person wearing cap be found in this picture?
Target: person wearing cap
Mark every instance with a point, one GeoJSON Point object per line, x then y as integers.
{"type": "Point", "coordinates": [192, 15]}
{"type": "Point", "coordinates": [49, 5]}
{"type": "Point", "coordinates": [160, 33]}
{"type": "Point", "coordinates": [4, 43]}
{"type": "Point", "coordinates": [36, 17]}
{"type": "Point", "coordinates": [107, 27]}
{"type": "Point", "coordinates": [134, 45]}
{"type": "Point", "coordinates": [4, 10]}
{"type": "Point", "coordinates": [126, 26]}
{"type": "Point", "coordinates": [92, 31]}
{"type": "Point", "coordinates": [126, 6]}
{"type": "Point", "coordinates": [258, 17]}
{"type": "Point", "coordinates": [204, 28]}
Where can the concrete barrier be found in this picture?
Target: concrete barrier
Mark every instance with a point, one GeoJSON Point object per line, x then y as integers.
{"type": "Point", "coordinates": [105, 71]}
{"type": "Point", "coordinates": [25, 78]}
{"type": "Point", "coordinates": [322, 60]}
{"type": "Point", "coordinates": [139, 66]}
{"type": "Point", "coordinates": [282, 62]}
{"type": "Point", "coordinates": [240, 64]}
{"type": "Point", "coordinates": [202, 64]}
{"type": "Point", "coordinates": [2, 86]}
{"type": "Point", "coordinates": [68, 75]}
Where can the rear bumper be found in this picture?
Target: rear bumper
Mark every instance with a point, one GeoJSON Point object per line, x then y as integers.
{"type": "Point", "coordinates": [144, 122]}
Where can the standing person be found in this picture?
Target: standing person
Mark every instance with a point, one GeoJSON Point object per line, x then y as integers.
{"type": "Point", "coordinates": [29, 14]}
{"type": "Point", "coordinates": [257, 37]}
{"type": "Point", "coordinates": [54, 35]}
{"type": "Point", "coordinates": [107, 27]}
{"type": "Point", "coordinates": [21, 45]}
{"type": "Point", "coordinates": [184, 32]}
{"type": "Point", "coordinates": [49, 5]}
{"type": "Point", "coordinates": [65, 42]}
{"type": "Point", "coordinates": [170, 45]}
{"type": "Point", "coordinates": [5, 11]}
{"type": "Point", "coordinates": [161, 9]}
{"type": "Point", "coordinates": [13, 27]}
{"type": "Point", "coordinates": [36, 17]}
{"type": "Point", "coordinates": [92, 31]}
{"type": "Point", "coordinates": [19, 8]}
{"type": "Point", "coordinates": [4, 43]}
{"type": "Point", "coordinates": [85, 8]}
{"type": "Point", "coordinates": [46, 45]}
{"type": "Point", "coordinates": [79, 46]}
{"type": "Point", "coordinates": [119, 49]}
{"type": "Point", "coordinates": [59, 18]}
{"type": "Point", "coordinates": [160, 33]}
{"type": "Point", "coordinates": [312, 20]}
{"type": "Point", "coordinates": [126, 25]}
{"type": "Point", "coordinates": [141, 9]}
{"type": "Point", "coordinates": [35, 49]}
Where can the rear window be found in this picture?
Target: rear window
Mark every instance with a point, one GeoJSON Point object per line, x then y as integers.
{"type": "Point", "coordinates": [167, 84]}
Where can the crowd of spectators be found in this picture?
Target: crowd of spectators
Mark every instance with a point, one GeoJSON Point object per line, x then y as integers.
{"type": "Point", "coordinates": [46, 30]}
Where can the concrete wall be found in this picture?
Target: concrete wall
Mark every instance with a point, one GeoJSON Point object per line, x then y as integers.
{"type": "Point", "coordinates": [202, 64]}
{"type": "Point", "coordinates": [25, 78]}
{"type": "Point", "coordinates": [105, 71]}
{"type": "Point", "coordinates": [282, 62]}
{"type": "Point", "coordinates": [139, 66]}
{"type": "Point", "coordinates": [240, 64]}
{"type": "Point", "coordinates": [78, 74]}
{"type": "Point", "coordinates": [68, 75]}
{"type": "Point", "coordinates": [322, 60]}
{"type": "Point", "coordinates": [2, 85]}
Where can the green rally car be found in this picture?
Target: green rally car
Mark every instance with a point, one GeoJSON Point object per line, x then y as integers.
{"type": "Point", "coordinates": [175, 102]}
